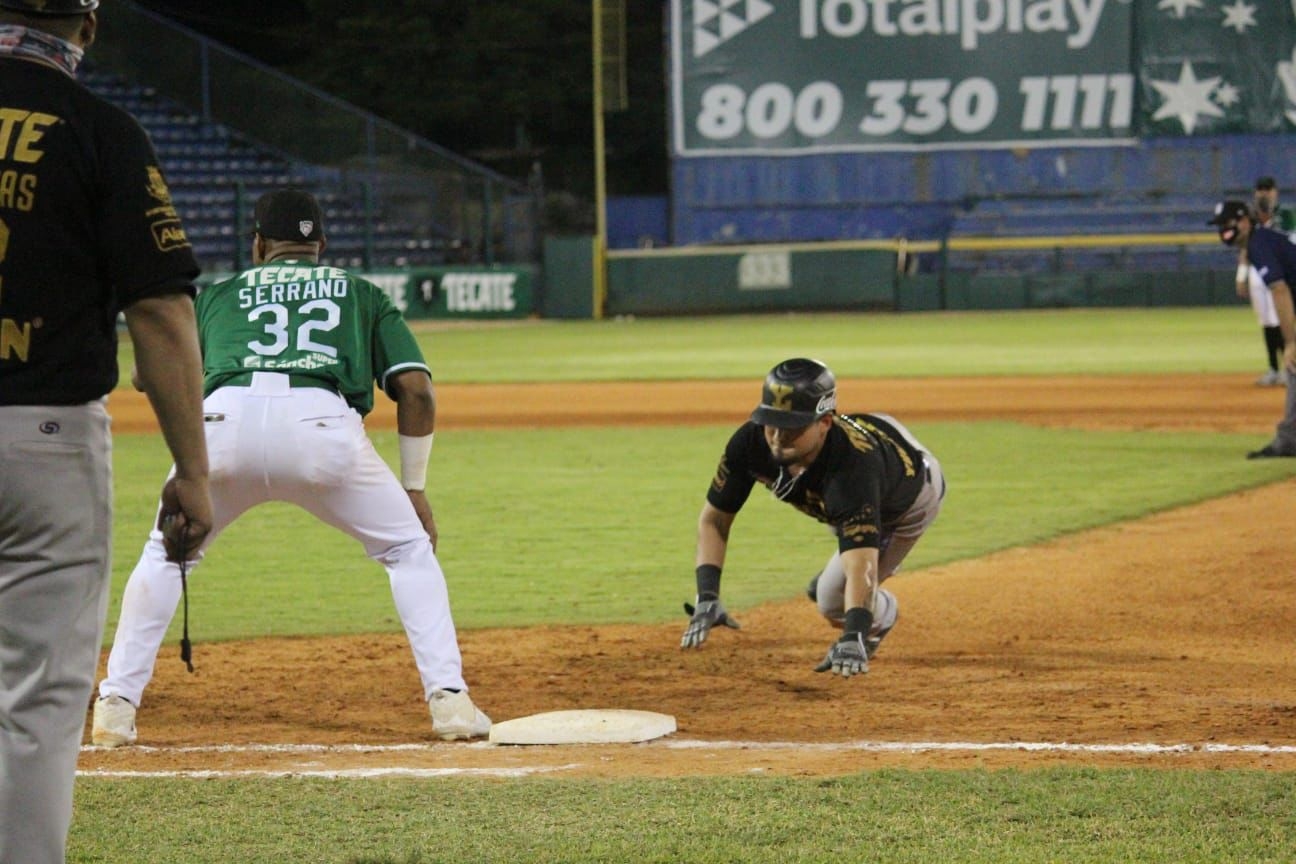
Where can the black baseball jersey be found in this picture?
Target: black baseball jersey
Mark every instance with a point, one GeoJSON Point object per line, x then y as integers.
{"type": "Point", "coordinates": [87, 228]}
{"type": "Point", "coordinates": [1273, 255]}
{"type": "Point", "coordinates": [864, 479]}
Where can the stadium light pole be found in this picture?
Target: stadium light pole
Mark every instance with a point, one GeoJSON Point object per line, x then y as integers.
{"type": "Point", "coordinates": [600, 173]}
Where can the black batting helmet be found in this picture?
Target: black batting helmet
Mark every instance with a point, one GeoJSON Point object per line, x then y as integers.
{"type": "Point", "coordinates": [51, 8]}
{"type": "Point", "coordinates": [797, 392]}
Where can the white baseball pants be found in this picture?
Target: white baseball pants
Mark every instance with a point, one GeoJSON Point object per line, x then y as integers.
{"type": "Point", "coordinates": [271, 442]}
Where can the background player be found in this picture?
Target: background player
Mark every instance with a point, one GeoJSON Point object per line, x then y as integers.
{"type": "Point", "coordinates": [1251, 287]}
{"type": "Point", "coordinates": [1273, 255]}
{"type": "Point", "coordinates": [87, 230]}
{"type": "Point", "coordinates": [864, 475]}
{"type": "Point", "coordinates": [291, 351]}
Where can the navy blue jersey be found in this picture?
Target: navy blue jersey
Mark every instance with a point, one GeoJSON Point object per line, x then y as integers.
{"type": "Point", "coordinates": [87, 228]}
{"type": "Point", "coordinates": [1273, 255]}
{"type": "Point", "coordinates": [864, 479]}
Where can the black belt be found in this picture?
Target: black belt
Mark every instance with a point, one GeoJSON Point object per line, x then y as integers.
{"type": "Point", "coordinates": [244, 379]}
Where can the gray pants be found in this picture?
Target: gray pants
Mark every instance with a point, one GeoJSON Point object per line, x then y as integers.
{"type": "Point", "coordinates": [1285, 439]}
{"type": "Point", "coordinates": [893, 545]}
{"type": "Point", "coordinates": [55, 535]}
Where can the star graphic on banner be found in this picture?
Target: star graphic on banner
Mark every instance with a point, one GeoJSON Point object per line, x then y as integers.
{"type": "Point", "coordinates": [1187, 98]}
{"type": "Point", "coordinates": [1227, 95]}
{"type": "Point", "coordinates": [1239, 16]}
{"type": "Point", "coordinates": [1180, 7]}
{"type": "Point", "coordinates": [1286, 71]}
{"type": "Point", "coordinates": [718, 21]}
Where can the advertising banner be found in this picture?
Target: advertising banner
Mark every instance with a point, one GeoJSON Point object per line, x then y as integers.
{"type": "Point", "coordinates": [768, 77]}
{"type": "Point", "coordinates": [459, 292]}
{"type": "Point", "coordinates": [448, 292]}
{"type": "Point", "coordinates": [791, 77]}
{"type": "Point", "coordinates": [1214, 67]}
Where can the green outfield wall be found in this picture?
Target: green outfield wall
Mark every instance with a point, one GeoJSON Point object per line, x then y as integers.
{"type": "Point", "coordinates": [885, 275]}
{"type": "Point", "coordinates": [847, 276]}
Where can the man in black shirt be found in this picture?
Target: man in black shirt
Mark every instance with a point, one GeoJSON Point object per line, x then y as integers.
{"type": "Point", "coordinates": [87, 231]}
{"type": "Point", "coordinates": [864, 475]}
{"type": "Point", "coordinates": [1273, 255]}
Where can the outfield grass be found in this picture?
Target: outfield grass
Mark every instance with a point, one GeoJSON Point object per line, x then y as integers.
{"type": "Point", "coordinates": [1034, 342]}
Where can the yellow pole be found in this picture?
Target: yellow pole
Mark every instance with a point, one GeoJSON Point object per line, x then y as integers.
{"type": "Point", "coordinates": [600, 174]}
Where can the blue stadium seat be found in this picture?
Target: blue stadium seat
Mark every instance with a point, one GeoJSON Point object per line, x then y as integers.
{"type": "Point", "coordinates": [207, 164]}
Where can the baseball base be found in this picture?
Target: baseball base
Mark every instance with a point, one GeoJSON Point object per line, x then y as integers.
{"type": "Point", "coordinates": [583, 726]}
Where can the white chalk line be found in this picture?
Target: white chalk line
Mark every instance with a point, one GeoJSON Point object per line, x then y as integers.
{"type": "Point", "coordinates": [672, 744]}
{"type": "Point", "coordinates": [970, 746]}
{"type": "Point", "coordinates": [699, 744]}
{"type": "Point", "coordinates": [330, 774]}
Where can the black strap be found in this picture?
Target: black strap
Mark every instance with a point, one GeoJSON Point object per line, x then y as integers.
{"type": "Point", "coordinates": [186, 649]}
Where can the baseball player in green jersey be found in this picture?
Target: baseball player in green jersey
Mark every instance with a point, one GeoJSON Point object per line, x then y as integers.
{"type": "Point", "coordinates": [291, 351]}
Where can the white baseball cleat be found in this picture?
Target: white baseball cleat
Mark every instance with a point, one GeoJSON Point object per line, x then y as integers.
{"type": "Point", "coordinates": [114, 722]}
{"type": "Point", "coordinates": [454, 716]}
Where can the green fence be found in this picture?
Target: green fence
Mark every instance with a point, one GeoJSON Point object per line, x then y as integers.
{"type": "Point", "coordinates": [901, 276]}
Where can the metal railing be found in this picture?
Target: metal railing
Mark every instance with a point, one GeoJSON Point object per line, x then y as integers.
{"type": "Point", "coordinates": [392, 174]}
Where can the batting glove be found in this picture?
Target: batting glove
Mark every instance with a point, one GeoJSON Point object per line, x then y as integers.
{"type": "Point", "coordinates": [708, 614]}
{"type": "Point", "coordinates": [846, 657]}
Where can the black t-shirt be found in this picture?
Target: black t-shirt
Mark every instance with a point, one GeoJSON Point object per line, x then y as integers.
{"type": "Point", "coordinates": [863, 480]}
{"type": "Point", "coordinates": [87, 228]}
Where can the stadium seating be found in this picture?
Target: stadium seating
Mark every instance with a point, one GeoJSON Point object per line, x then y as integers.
{"type": "Point", "coordinates": [216, 173]}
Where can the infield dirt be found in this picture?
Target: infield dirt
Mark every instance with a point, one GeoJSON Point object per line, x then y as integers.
{"type": "Point", "coordinates": [1176, 629]}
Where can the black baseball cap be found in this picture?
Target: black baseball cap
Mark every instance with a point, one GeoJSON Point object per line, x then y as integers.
{"type": "Point", "coordinates": [1229, 211]}
{"type": "Point", "coordinates": [290, 214]}
{"type": "Point", "coordinates": [1266, 183]}
{"type": "Point", "coordinates": [51, 8]}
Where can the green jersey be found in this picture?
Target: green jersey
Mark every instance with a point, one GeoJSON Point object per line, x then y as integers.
{"type": "Point", "coordinates": [315, 323]}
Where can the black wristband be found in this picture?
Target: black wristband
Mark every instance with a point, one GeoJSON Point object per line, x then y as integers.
{"type": "Point", "coordinates": [858, 620]}
{"type": "Point", "coordinates": [708, 582]}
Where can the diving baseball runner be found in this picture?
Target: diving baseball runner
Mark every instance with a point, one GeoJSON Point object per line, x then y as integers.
{"type": "Point", "coordinates": [291, 352]}
{"type": "Point", "coordinates": [864, 475]}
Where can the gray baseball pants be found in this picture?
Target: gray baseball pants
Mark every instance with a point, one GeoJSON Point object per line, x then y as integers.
{"type": "Point", "coordinates": [55, 537]}
{"type": "Point", "coordinates": [1285, 438]}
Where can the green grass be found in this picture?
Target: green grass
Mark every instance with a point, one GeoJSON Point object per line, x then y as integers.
{"type": "Point", "coordinates": [598, 525]}
{"type": "Point", "coordinates": [900, 817]}
{"type": "Point", "coordinates": [1035, 342]}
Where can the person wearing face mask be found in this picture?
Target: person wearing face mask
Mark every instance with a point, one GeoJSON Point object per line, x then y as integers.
{"type": "Point", "coordinates": [1251, 287]}
{"type": "Point", "coordinates": [1273, 255]}
{"type": "Point", "coordinates": [88, 231]}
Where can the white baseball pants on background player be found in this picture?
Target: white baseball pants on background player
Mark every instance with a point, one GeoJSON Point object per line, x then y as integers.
{"type": "Point", "coordinates": [304, 445]}
{"type": "Point", "coordinates": [1261, 299]}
